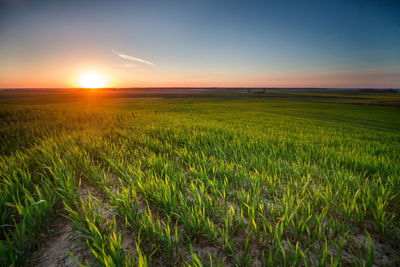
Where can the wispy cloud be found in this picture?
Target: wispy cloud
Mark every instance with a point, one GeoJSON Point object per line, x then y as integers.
{"type": "Point", "coordinates": [128, 57]}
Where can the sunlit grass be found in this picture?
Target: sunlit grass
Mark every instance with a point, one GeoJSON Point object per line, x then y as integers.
{"type": "Point", "coordinates": [207, 181]}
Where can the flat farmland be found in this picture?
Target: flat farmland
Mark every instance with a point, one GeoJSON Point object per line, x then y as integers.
{"type": "Point", "coordinates": [199, 178]}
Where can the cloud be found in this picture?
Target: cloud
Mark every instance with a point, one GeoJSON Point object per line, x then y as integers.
{"type": "Point", "coordinates": [128, 57]}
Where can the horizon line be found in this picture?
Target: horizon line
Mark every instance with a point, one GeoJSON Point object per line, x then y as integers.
{"type": "Point", "coordinates": [193, 87]}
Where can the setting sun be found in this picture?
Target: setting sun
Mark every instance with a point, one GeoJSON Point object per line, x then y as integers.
{"type": "Point", "coordinates": [92, 80]}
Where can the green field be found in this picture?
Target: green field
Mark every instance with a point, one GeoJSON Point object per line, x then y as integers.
{"type": "Point", "coordinates": [274, 179]}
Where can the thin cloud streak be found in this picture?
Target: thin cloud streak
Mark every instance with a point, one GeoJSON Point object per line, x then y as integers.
{"type": "Point", "coordinates": [128, 57]}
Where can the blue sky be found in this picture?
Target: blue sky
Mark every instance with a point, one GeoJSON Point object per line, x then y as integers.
{"type": "Point", "coordinates": [201, 43]}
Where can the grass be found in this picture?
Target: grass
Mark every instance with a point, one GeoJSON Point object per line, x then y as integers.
{"type": "Point", "coordinates": [224, 179]}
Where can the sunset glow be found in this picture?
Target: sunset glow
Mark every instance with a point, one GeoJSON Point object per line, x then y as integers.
{"type": "Point", "coordinates": [193, 132]}
{"type": "Point", "coordinates": [162, 44]}
{"type": "Point", "coordinates": [92, 80]}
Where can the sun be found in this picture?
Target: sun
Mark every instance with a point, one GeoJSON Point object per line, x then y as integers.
{"type": "Point", "coordinates": [91, 80]}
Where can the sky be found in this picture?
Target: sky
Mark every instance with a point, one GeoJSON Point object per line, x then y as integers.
{"type": "Point", "coordinates": [200, 43]}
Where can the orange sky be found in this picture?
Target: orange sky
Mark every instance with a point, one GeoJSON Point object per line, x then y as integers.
{"type": "Point", "coordinates": [68, 76]}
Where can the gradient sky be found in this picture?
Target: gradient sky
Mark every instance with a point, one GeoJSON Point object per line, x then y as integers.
{"type": "Point", "coordinates": [201, 43]}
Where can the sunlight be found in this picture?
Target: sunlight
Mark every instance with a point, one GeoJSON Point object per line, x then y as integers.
{"type": "Point", "coordinates": [92, 80]}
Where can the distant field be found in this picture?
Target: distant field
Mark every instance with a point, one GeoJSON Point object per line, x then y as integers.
{"type": "Point", "coordinates": [136, 178]}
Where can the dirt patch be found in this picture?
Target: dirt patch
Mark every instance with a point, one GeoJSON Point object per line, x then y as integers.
{"type": "Point", "coordinates": [384, 252]}
{"type": "Point", "coordinates": [54, 250]}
